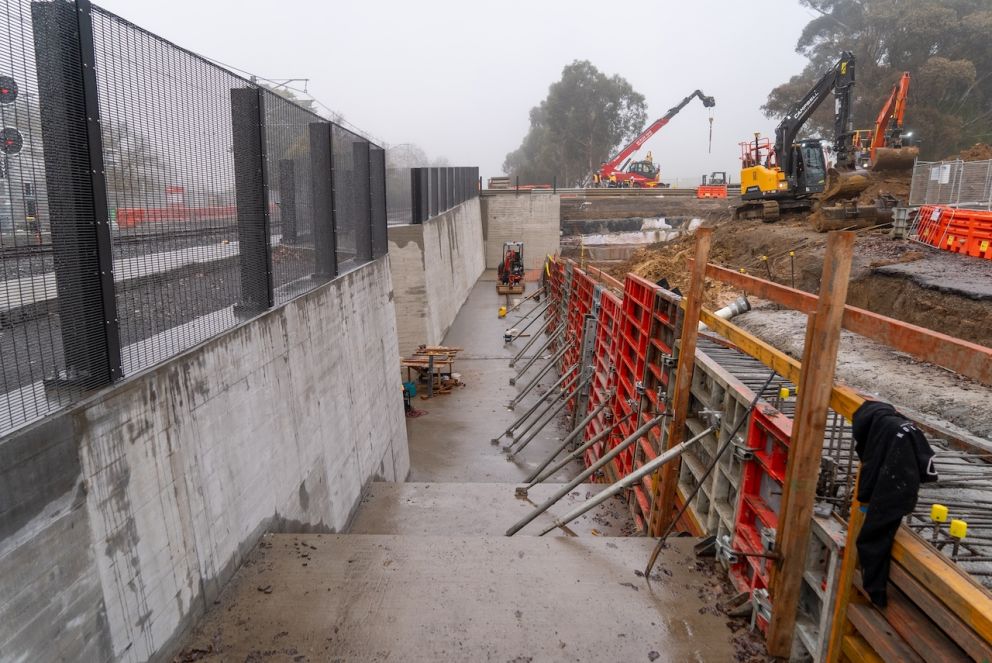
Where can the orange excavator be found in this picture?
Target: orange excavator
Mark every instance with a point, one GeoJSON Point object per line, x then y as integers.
{"type": "Point", "coordinates": [886, 146]}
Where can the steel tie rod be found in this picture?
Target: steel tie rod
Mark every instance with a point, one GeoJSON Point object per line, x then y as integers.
{"type": "Point", "coordinates": [585, 474]}
{"type": "Point", "coordinates": [537, 378]}
{"type": "Point", "coordinates": [537, 355]}
{"type": "Point", "coordinates": [627, 481]}
{"type": "Point", "coordinates": [561, 406]}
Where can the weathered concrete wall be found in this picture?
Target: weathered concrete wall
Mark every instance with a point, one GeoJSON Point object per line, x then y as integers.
{"type": "Point", "coordinates": [122, 517]}
{"type": "Point", "coordinates": [533, 218]}
{"type": "Point", "coordinates": [434, 266]}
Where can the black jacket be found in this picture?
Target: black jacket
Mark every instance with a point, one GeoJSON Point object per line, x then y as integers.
{"type": "Point", "coordinates": [895, 459]}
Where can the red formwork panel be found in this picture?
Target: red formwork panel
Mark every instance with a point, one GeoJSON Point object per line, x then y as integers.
{"type": "Point", "coordinates": [759, 497]}
{"type": "Point", "coordinates": [604, 376]}
{"type": "Point", "coordinates": [631, 354]}
{"type": "Point", "coordinates": [556, 283]}
{"type": "Point", "coordinates": [664, 331]}
{"type": "Point", "coordinates": [579, 305]}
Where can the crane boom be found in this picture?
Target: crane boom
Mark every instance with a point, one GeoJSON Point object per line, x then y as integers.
{"type": "Point", "coordinates": [612, 166]}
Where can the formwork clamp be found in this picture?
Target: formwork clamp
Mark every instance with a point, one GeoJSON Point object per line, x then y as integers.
{"type": "Point", "coordinates": [762, 604]}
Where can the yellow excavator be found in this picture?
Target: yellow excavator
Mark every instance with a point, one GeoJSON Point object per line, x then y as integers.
{"type": "Point", "coordinates": [791, 175]}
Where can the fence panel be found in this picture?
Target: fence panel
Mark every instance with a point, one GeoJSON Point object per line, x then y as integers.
{"type": "Point", "coordinates": [965, 184]}
{"type": "Point", "coordinates": [150, 200]}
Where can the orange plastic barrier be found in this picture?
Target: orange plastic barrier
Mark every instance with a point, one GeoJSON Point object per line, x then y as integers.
{"type": "Point", "coordinates": [963, 231]}
{"type": "Point", "coordinates": [711, 191]}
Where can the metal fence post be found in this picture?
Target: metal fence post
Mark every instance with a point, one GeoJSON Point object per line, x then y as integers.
{"type": "Point", "coordinates": [377, 201]}
{"type": "Point", "coordinates": [322, 172]}
{"type": "Point", "coordinates": [252, 198]}
{"type": "Point", "coordinates": [442, 185]}
{"type": "Point", "coordinates": [363, 212]}
{"type": "Point", "coordinates": [417, 194]}
{"type": "Point", "coordinates": [77, 193]}
{"type": "Point", "coordinates": [287, 200]}
{"type": "Point", "coordinates": [435, 192]}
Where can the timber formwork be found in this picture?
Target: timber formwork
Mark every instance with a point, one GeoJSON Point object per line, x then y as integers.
{"type": "Point", "coordinates": [632, 361]}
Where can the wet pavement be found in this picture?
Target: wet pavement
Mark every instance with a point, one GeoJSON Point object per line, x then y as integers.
{"type": "Point", "coordinates": [425, 573]}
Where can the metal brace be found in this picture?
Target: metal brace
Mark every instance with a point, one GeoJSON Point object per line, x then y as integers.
{"type": "Point", "coordinates": [639, 388]}
{"type": "Point", "coordinates": [762, 604]}
{"type": "Point", "coordinates": [724, 551]}
{"type": "Point", "coordinates": [767, 539]}
{"type": "Point", "coordinates": [743, 453]}
{"type": "Point", "coordinates": [712, 418]}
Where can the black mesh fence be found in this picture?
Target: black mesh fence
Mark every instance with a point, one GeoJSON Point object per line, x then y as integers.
{"type": "Point", "coordinates": [434, 191]}
{"type": "Point", "coordinates": [150, 200]}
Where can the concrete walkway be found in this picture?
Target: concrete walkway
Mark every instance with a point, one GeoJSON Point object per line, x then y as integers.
{"type": "Point", "coordinates": [425, 573]}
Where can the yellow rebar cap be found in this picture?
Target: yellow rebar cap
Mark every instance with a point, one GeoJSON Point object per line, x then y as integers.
{"type": "Point", "coordinates": [958, 529]}
{"type": "Point", "coordinates": [783, 392]}
{"type": "Point", "coordinates": [938, 513]}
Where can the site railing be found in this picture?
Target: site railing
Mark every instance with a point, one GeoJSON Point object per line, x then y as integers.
{"type": "Point", "coordinates": [958, 183]}
{"type": "Point", "coordinates": [150, 200]}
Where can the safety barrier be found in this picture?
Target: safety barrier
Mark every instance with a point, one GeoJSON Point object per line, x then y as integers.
{"type": "Point", "coordinates": [937, 609]}
{"type": "Point", "coordinates": [957, 230]}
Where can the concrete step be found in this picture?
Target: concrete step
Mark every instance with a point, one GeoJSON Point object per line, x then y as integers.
{"type": "Point", "coordinates": [464, 509]}
{"type": "Point", "coordinates": [357, 597]}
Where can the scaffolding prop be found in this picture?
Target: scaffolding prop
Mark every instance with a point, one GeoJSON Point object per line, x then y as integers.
{"type": "Point", "coordinates": [627, 481]}
{"type": "Point", "coordinates": [533, 408]}
{"type": "Point", "coordinates": [566, 396]}
{"type": "Point", "coordinates": [585, 474]}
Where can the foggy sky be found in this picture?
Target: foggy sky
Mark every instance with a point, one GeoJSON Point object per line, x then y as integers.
{"type": "Point", "coordinates": [459, 78]}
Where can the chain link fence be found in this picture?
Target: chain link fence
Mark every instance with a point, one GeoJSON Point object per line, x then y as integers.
{"type": "Point", "coordinates": [965, 184]}
{"type": "Point", "coordinates": [150, 200]}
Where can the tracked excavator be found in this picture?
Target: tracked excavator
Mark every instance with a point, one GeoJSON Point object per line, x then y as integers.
{"type": "Point", "coordinates": [791, 175]}
{"type": "Point", "coordinates": [620, 171]}
{"type": "Point", "coordinates": [887, 149]}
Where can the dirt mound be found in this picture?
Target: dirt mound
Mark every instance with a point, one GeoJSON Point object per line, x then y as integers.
{"type": "Point", "coordinates": [893, 183]}
{"type": "Point", "coordinates": [977, 152]}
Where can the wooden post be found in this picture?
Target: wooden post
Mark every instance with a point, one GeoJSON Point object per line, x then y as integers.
{"type": "Point", "coordinates": [803, 469]}
{"type": "Point", "coordinates": [665, 481]}
{"type": "Point", "coordinates": [845, 583]}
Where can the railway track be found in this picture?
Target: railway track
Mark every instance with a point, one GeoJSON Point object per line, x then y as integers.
{"type": "Point", "coordinates": [123, 239]}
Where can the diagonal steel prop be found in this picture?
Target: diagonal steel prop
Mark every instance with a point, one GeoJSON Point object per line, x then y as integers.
{"type": "Point", "coordinates": [627, 481]}
{"type": "Point", "coordinates": [540, 375]}
{"type": "Point", "coordinates": [533, 339]}
{"type": "Point", "coordinates": [537, 355]}
{"type": "Point", "coordinates": [561, 406]}
{"type": "Point", "coordinates": [551, 396]}
{"type": "Point", "coordinates": [574, 455]}
{"type": "Point", "coordinates": [716, 459]}
{"type": "Point", "coordinates": [585, 474]}
{"type": "Point", "coordinates": [526, 415]}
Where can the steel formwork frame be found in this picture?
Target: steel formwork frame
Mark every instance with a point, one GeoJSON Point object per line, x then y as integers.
{"type": "Point", "coordinates": [632, 364]}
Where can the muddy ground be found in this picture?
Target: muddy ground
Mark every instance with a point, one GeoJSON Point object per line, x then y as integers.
{"type": "Point", "coordinates": [959, 404]}
{"type": "Point", "coordinates": [902, 279]}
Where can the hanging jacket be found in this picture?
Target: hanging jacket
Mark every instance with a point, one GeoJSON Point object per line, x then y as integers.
{"type": "Point", "coordinates": [895, 459]}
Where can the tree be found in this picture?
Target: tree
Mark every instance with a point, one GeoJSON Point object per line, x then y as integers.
{"type": "Point", "coordinates": [586, 116]}
{"type": "Point", "coordinates": [132, 164]}
{"type": "Point", "coordinates": [944, 45]}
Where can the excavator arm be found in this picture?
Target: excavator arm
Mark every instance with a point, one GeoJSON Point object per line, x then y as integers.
{"type": "Point", "coordinates": [839, 80]}
{"type": "Point", "coordinates": [613, 165]}
{"type": "Point", "coordinates": [887, 150]}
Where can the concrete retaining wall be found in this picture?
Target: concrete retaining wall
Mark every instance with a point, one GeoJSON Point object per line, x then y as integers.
{"type": "Point", "coordinates": [434, 266]}
{"type": "Point", "coordinates": [533, 218]}
{"type": "Point", "coordinates": [122, 517]}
